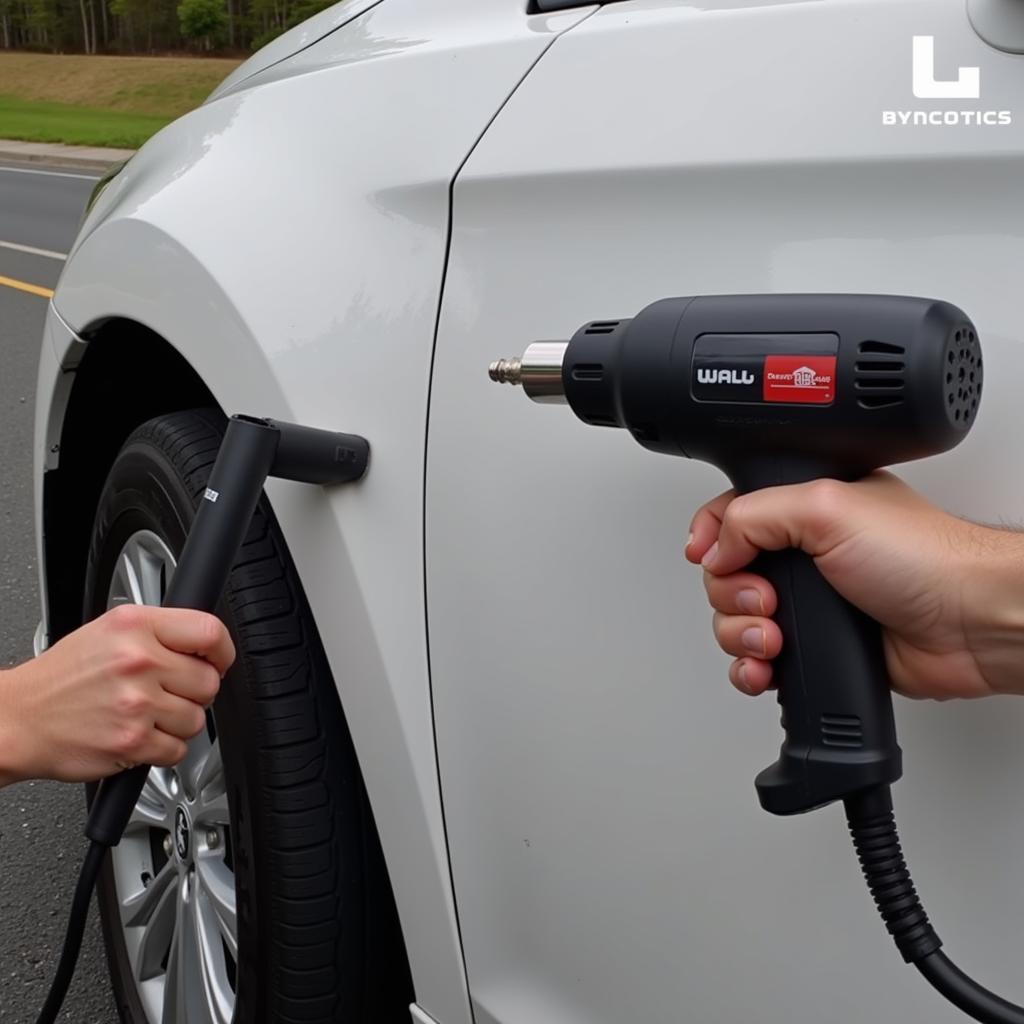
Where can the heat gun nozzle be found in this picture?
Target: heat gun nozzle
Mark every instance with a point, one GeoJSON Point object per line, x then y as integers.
{"type": "Point", "coordinates": [538, 370]}
{"type": "Point", "coordinates": [506, 371]}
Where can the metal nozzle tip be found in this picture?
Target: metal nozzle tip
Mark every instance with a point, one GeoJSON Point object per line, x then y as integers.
{"type": "Point", "coordinates": [506, 371]}
{"type": "Point", "coordinates": [538, 370]}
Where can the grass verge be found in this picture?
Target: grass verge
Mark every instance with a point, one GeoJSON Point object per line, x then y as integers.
{"type": "Point", "coordinates": [100, 101]}
{"type": "Point", "coordinates": [35, 121]}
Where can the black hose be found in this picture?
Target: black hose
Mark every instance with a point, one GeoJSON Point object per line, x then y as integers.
{"type": "Point", "coordinates": [73, 936]}
{"type": "Point", "coordinates": [873, 830]}
{"type": "Point", "coordinates": [964, 992]}
{"type": "Point", "coordinates": [877, 843]}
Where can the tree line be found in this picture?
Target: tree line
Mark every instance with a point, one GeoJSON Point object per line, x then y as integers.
{"type": "Point", "coordinates": [148, 26]}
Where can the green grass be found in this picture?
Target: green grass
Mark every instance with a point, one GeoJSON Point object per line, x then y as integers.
{"type": "Point", "coordinates": [100, 101]}
{"type": "Point", "coordinates": [37, 121]}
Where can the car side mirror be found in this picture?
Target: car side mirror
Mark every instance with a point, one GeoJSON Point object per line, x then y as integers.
{"type": "Point", "coordinates": [999, 22]}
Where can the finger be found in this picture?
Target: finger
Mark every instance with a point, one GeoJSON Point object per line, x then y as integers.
{"type": "Point", "coordinates": [750, 676]}
{"type": "Point", "coordinates": [705, 526]}
{"type": "Point", "coordinates": [191, 678]}
{"type": "Point", "coordinates": [163, 750]}
{"type": "Point", "coordinates": [191, 632]}
{"type": "Point", "coordinates": [180, 718]}
{"type": "Point", "coordinates": [740, 593]}
{"type": "Point", "coordinates": [745, 636]}
{"type": "Point", "coordinates": [807, 516]}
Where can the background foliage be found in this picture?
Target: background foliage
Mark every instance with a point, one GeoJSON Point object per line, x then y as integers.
{"type": "Point", "coordinates": [148, 26]}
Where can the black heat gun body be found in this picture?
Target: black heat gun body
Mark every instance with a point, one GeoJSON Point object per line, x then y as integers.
{"type": "Point", "coordinates": [783, 389]}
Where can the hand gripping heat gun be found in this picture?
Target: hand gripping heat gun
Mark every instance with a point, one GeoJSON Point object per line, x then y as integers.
{"type": "Point", "coordinates": [783, 389]}
{"type": "Point", "coordinates": [252, 450]}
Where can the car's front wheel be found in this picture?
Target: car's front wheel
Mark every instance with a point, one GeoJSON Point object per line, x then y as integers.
{"type": "Point", "coordinates": [249, 885]}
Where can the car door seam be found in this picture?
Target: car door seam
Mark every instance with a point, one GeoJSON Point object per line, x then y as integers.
{"type": "Point", "coordinates": [426, 448]}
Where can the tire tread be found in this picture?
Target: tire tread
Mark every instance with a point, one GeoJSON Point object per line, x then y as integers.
{"type": "Point", "coordinates": [312, 803]}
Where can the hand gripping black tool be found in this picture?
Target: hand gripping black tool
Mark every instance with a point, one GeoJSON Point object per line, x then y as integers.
{"type": "Point", "coordinates": [784, 389]}
{"type": "Point", "coordinates": [252, 450]}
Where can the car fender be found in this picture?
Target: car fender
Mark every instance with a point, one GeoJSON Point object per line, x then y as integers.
{"type": "Point", "coordinates": [295, 260]}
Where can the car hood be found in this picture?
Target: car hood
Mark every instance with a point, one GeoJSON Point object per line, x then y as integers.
{"type": "Point", "coordinates": [291, 42]}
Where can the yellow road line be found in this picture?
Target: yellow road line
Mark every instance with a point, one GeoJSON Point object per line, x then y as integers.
{"type": "Point", "coordinates": [24, 286]}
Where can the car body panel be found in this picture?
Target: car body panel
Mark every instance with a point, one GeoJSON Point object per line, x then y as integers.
{"type": "Point", "coordinates": [291, 42]}
{"type": "Point", "coordinates": [609, 857]}
{"type": "Point", "coordinates": [295, 260]}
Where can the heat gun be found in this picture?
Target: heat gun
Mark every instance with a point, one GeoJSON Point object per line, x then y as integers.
{"type": "Point", "coordinates": [784, 389]}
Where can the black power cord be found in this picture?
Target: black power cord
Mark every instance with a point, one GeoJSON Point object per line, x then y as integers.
{"type": "Point", "coordinates": [964, 992]}
{"type": "Point", "coordinates": [73, 937]}
{"type": "Point", "coordinates": [873, 828]}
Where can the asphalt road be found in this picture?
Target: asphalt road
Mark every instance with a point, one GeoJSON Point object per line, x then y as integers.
{"type": "Point", "coordinates": [40, 823]}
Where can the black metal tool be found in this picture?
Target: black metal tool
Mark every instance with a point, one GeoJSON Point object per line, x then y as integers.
{"type": "Point", "coordinates": [783, 389]}
{"type": "Point", "coordinates": [252, 450]}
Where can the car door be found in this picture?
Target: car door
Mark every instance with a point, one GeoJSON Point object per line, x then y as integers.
{"type": "Point", "coordinates": [610, 861]}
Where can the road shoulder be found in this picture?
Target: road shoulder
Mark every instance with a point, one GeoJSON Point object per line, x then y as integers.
{"type": "Point", "coordinates": [87, 158]}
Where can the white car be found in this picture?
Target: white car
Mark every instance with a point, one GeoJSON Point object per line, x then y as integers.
{"type": "Point", "coordinates": [478, 756]}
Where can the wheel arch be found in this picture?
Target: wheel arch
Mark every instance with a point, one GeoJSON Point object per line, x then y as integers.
{"type": "Point", "coordinates": [100, 410]}
{"type": "Point", "coordinates": [104, 405]}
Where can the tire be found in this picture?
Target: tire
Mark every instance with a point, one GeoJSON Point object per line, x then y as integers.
{"type": "Point", "coordinates": [317, 932]}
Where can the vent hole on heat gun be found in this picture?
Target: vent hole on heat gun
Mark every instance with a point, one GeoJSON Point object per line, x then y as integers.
{"type": "Point", "coordinates": [880, 348]}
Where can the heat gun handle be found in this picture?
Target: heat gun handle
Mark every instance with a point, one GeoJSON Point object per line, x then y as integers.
{"type": "Point", "coordinates": [832, 681]}
{"type": "Point", "coordinates": [245, 459]}
{"type": "Point", "coordinates": [833, 690]}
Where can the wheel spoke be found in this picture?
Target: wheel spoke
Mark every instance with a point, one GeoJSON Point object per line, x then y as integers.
{"type": "Point", "coordinates": [174, 980]}
{"type": "Point", "coordinates": [216, 895]}
{"type": "Point", "coordinates": [149, 574]}
{"type": "Point", "coordinates": [219, 995]}
{"type": "Point", "coordinates": [142, 571]}
{"type": "Point", "coordinates": [124, 587]}
{"type": "Point", "coordinates": [211, 791]}
{"type": "Point", "coordinates": [211, 775]}
{"type": "Point", "coordinates": [158, 784]}
{"type": "Point", "coordinates": [153, 809]}
{"type": "Point", "coordinates": [197, 753]}
{"type": "Point", "coordinates": [158, 934]}
{"type": "Point", "coordinates": [213, 810]}
{"type": "Point", "coordinates": [146, 816]}
{"type": "Point", "coordinates": [195, 1003]}
{"type": "Point", "coordinates": [139, 908]}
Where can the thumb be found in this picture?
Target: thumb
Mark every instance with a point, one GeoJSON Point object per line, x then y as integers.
{"type": "Point", "coordinates": [813, 517]}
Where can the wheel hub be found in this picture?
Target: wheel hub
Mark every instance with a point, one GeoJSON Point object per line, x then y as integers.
{"type": "Point", "coordinates": [182, 834]}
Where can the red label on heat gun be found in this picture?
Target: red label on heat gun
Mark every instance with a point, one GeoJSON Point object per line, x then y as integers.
{"type": "Point", "coordinates": [803, 379]}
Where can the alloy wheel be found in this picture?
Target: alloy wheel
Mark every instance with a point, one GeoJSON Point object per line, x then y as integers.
{"type": "Point", "coordinates": [173, 870]}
